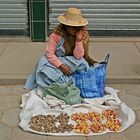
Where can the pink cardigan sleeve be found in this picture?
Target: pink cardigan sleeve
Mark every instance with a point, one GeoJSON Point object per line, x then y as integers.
{"type": "Point", "coordinates": [51, 49]}
{"type": "Point", "coordinates": [54, 39]}
{"type": "Point", "coordinates": [78, 51]}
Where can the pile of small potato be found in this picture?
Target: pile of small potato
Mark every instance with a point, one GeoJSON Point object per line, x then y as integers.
{"type": "Point", "coordinates": [96, 122]}
{"type": "Point", "coordinates": [84, 123]}
{"type": "Point", "coordinates": [51, 123]}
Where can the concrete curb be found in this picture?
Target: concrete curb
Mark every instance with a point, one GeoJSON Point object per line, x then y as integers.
{"type": "Point", "coordinates": [16, 61]}
{"type": "Point", "coordinates": [110, 80]}
{"type": "Point", "coordinates": [114, 39]}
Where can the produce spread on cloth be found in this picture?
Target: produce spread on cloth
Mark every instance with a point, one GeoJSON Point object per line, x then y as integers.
{"type": "Point", "coordinates": [82, 122]}
{"type": "Point", "coordinates": [89, 118]}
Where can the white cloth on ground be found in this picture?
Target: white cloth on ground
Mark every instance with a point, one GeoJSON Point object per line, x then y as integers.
{"type": "Point", "coordinates": [54, 103]}
{"type": "Point", "coordinates": [33, 104]}
{"type": "Point", "coordinates": [110, 98]}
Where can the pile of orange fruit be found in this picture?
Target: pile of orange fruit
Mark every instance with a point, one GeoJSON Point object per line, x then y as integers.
{"type": "Point", "coordinates": [95, 122]}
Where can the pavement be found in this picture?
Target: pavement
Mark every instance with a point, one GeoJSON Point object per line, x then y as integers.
{"type": "Point", "coordinates": [10, 108]}
{"type": "Point", "coordinates": [18, 57]}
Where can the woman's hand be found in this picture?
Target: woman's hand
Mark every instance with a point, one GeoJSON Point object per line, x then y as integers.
{"type": "Point", "coordinates": [65, 69]}
{"type": "Point", "coordinates": [79, 36]}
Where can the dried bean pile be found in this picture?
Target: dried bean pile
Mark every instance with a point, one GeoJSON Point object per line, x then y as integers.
{"type": "Point", "coordinates": [51, 123]}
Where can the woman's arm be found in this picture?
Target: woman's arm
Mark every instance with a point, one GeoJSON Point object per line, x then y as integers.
{"type": "Point", "coordinates": [78, 51]}
{"type": "Point", "coordinates": [52, 58]}
{"type": "Point", "coordinates": [51, 49]}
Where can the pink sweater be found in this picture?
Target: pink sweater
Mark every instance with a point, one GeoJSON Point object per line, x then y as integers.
{"type": "Point", "coordinates": [54, 39]}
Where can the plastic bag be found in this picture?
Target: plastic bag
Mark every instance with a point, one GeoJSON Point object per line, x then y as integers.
{"type": "Point", "coordinates": [92, 82]}
{"type": "Point", "coordinates": [67, 92]}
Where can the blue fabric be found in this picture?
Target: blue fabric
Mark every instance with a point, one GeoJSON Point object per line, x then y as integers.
{"type": "Point", "coordinates": [45, 73]}
{"type": "Point", "coordinates": [92, 82]}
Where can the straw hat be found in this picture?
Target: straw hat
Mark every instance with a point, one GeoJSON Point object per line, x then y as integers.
{"type": "Point", "coordinates": [72, 17]}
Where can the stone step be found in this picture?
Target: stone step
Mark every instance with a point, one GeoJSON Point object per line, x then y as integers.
{"type": "Point", "coordinates": [111, 79]}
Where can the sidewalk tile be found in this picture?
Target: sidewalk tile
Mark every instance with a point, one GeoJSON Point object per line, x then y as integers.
{"type": "Point", "coordinates": [133, 89]}
{"type": "Point", "coordinates": [131, 101]}
{"type": "Point", "coordinates": [108, 136]}
{"type": "Point", "coordinates": [8, 102]}
{"type": "Point", "coordinates": [120, 87]}
{"type": "Point", "coordinates": [5, 131]}
{"type": "Point", "coordinates": [19, 134]}
{"type": "Point", "coordinates": [11, 117]}
{"type": "Point", "coordinates": [66, 138]}
{"type": "Point", "coordinates": [0, 114]}
{"type": "Point", "coordinates": [124, 56]}
{"type": "Point", "coordinates": [133, 133]}
{"type": "Point", "coordinates": [138, 45]}
{"type": "Point", "coordinates": [20, 58]}
{"type": "Point", "coordinates": [2, 48]}
{"type": "Point", "coordinates": [138, 114]}
{"type": "Point", "coordinates": [11, 90]}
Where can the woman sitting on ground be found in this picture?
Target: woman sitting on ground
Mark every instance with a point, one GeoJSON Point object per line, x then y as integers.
{"type": "Point", "coordinates": [66, 52]}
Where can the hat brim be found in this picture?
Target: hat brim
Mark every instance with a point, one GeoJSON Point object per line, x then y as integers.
{"type": "Point", "coordinates": [81, 22]}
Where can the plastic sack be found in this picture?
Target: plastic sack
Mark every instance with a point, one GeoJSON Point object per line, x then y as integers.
{"type": "Point", "coordinates": [92, 82]}
{"type": "Point", "coordinates": [67, 92]}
